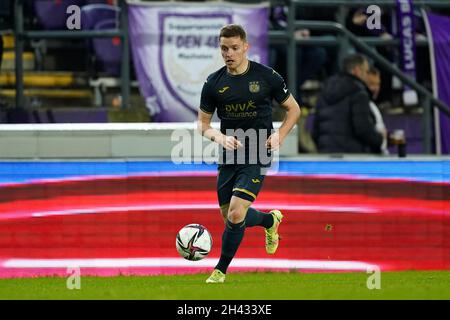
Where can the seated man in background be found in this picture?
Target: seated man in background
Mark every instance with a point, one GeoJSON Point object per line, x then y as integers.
{"type": "Point", "coordinates": [373, 81]}
{"type": "Point", "coordinates": [343, 122]}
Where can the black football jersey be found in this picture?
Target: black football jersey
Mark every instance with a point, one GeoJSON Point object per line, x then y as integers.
{"type": "Point", "coordinates": [244, 101]}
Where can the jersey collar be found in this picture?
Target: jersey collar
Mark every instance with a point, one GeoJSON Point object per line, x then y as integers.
{"type": "Point", "coordinates": [241, 74]}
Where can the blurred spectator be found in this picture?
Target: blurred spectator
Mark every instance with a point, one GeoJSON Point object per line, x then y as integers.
{"type": "Point", "coordinates": [357, 24]}
{"type": "Point", "coordinates": [343, 122]}
{"type": "Point", "coordinates": [373, 82]}
{"type": "Point", "coordinates": [327, 14]}
{"type": "Point", "coordinates": [310, 59]}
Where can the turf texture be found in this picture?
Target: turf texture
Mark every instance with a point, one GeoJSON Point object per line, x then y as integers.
{"type": "Point", "coordinates": [294, 285]}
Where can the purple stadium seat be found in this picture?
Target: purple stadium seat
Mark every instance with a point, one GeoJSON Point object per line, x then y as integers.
{"type": "Point", "coordinates": [108, 50]}
{"type": "Point", "coordinates": [92, 14]}
{"type": "Point", "coordinates": [52, 14]}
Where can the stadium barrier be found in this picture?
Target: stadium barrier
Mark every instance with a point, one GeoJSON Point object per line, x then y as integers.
{"type": "Point", "coordinates": [108, 140]}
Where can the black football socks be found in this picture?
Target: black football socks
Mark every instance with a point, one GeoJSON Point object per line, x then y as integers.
{"type": "Point", "coordinates": [231, 239]}
{"type": "Point", "coordinates": [258, 218]}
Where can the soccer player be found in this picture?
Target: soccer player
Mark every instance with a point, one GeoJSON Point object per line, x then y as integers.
{"type": "Point", "coordinates": [242, 92]}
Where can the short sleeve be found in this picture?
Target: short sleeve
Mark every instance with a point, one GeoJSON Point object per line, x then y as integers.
{"type": "Point", "coordinates": [207, 101]}
{"type": "Point", "coordinates": [280, 91]}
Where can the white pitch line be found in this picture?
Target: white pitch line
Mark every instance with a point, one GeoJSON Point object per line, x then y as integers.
{"type": "Point", "coordinates": [199, 206]}
{"type": "Point", "coordinates": [179, 262]}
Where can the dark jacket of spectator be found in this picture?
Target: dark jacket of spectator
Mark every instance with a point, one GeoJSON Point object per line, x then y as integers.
{"type": "Point", "coordinates": [343, 122]}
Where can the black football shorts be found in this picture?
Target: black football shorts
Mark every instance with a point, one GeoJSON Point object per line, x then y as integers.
{"type": "Point", "coordinates": [243, 181]}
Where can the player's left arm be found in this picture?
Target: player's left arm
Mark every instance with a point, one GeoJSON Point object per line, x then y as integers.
{"type": "Point", "coordinates": [275, 141]}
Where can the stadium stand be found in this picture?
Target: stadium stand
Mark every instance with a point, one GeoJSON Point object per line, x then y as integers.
{"type": "Point", "coordinates": [104, 53]}
{"type": "Point", "coordinates": [52, 14]}
{"type": "Point", "coordinates": [87, 72]}
{"type": "Point", "coordinates": [60, 74]}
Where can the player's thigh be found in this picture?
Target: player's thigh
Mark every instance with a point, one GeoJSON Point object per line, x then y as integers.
{"type": "Point", "coordinates": [248, 182]}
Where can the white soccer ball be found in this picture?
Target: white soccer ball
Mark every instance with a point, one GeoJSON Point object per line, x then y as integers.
{"type": "Point", "coordinates": [193, 242]}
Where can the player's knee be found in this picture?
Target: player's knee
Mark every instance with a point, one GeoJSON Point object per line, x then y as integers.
{"type": "Point", "coordinates": [236, 215]}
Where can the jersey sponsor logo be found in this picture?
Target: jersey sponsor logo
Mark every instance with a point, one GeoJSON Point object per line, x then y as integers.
{"type": "Point", "coordinates": [253, 86]}
{"type": "Point", "coordinates": [224, 89]}
{"type": "Point", "coordinates": [245, 106]}
{"type": "Point", "coordinates": [285, 89]}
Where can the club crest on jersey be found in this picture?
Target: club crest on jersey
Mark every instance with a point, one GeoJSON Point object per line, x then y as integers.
{"type": "Point", "coordinates": [253, 86]}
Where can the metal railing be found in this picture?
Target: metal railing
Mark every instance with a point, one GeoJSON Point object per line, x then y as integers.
{"type": "Point", "coordinates": [21, 35]}
{"type": "Point", "coordinates": [364, 44]}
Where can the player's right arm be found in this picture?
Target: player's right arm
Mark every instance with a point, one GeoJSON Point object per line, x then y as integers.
{"type": "Point", "coordinates": [205, 129]}
{"type": "Point", "coordinates": [205, 113]}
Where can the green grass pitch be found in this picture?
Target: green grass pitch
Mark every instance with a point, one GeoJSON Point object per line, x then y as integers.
{"type": "Point", "coordinates": [242, 286]}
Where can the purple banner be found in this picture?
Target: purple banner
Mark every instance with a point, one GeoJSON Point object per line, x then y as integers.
{"type": "Point", "coordinates": [175, 46]}
{"type": "Point", "coordinates": [439, 32]}
{"type": "Point", "coordinates": [406, 32]}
